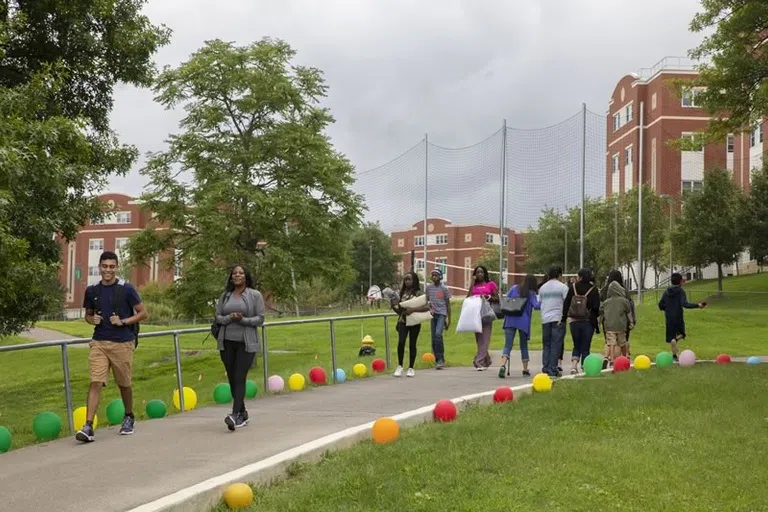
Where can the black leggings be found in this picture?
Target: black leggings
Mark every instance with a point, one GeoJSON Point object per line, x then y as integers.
{"type": "Point", "coordinates": [237, 362]}
{"type": "Point", "coordinates": [412, 333]}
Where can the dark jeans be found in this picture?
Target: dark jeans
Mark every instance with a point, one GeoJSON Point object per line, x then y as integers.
{"type": "Point", "coordinates": [509, 341]}
{"type": "Point", "coordinates": [552, 339]}
{"type": "Point", "coordinates": [412, 333]}
{"type": "Point", "coordinates": [438, 347]}
{"type": "Point", "coordinates": [582, 333]}
{"type": "Point", "coordinates": [237, 362]}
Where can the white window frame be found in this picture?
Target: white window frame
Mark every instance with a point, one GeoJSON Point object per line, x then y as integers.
{"type": "Point", "coordinates": [93, 271]}
{"type": "Point", "coordinates": [123, 218]}
{"type": "Point", "coordinates": [617, 121]}
{"type": "Point", "coordinates": [690, 94]}
{"type": "Point", "coordinates": [489, 238]}
{"type": "Point", "coordinates": [505, 240]}
{"type": "Point", "coordinates": [756, 135]}
{"type": "Point", "coordinates": [616, 163]}
{"type": "Point", "coordinates": [418, 241]}
{"type": "Point", "coordinates": [441, 239]}
{"type": "Point", "coordinates": [400, 242]}
{"type": "Point", "coordinates": [629, 160]}
{"type": "Point", "coordinates": [120, 243]}
{"type": "Point", "coordinates": [692, 137]}
{"type": "Point", "coordinates": [653, 101]}
{"type": "Point", "coordinates": [178, 268]}
{"type": "Point", "coordinates": [628, 113]}
{"type": "Point", "coordinates": [100, 244]}
{"type": "Point", "coordinates": [442, 264]}
{"type": "Point", "coordinates": [692, 187]}
{"type": "Point", "coordinates": [730, 143]}
{"type": "Point", "coordinates": [467, 237]}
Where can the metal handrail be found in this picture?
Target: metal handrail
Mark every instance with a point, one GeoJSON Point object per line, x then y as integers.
{"type": "Point", "coordinates": [64, 344]}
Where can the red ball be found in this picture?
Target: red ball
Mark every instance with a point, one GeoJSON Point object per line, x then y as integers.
{"type": "Point", "coordinates": [317, 375]}
{"type": "Point", "coordinates": [503, 394]}
{"type": "Point", "coordinates": [378, 365]}
{"type": "Point", "coordinates": [723, 359]}
{"type": "Point", "coordinates": [445, 411]}
{"type": "Point", "coordinates": [621, 364]}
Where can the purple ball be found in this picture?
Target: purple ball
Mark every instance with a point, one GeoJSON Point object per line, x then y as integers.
{"type": "Point", "coordinates": [687, 358]}
{"type": "Point", "coordinates": [275, 384]}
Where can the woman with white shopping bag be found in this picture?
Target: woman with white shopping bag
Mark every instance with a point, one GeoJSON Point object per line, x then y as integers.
{"type": "Point", "coordinates": [412, 310]}
{"type": "Point", "coordinates": [488, 291]}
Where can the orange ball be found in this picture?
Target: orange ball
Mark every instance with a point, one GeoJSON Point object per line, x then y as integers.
{"type": "Point", "coordinates": [428, 358]}
{"type": "Point", "coordinates": [385, 430]}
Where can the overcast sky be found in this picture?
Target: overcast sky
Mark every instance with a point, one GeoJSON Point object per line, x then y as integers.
{"type": "Point", "coordinates": [398, 69]}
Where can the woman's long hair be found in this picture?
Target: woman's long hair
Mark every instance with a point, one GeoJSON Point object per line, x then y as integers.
{"type": "Point", "coordinates": [485, 274]}
{"type": "Point", "coordinates": [414, 283]}
{"type": "Point", "coordinates": [248, 278]}
{"type": "Point", "coordinates": [529, 285]}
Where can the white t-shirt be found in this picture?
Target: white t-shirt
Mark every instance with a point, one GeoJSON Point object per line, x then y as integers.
{"type": "Point", "coordinates": [552, 298]}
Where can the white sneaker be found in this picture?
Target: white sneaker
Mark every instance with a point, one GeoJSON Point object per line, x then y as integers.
{"type": "Point", "coordinates": [410, 373]}
{"type": "Point", "coordinates": [398, 371]}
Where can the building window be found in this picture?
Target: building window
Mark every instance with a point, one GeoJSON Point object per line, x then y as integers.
{"type": "Point", "coordinates": [93, 271]}
{"type": "Point", "coordinates": [401, 242]}
{"type": "Point", "coordinates": [400, 267]}
{"type": "Point", "coordinates": [420, 266]}
{"type": "Point", "coordinates": [628, 157]}
{"type": "Point", "coordinates": [653, 101]}
{"type": "Point", "coordinates": [623, 116]}
{"type": "Point", "coordinates": [505, 240]}
{"type": "Point", "coordinates": [96, 244]}
{"type": "Point", "coordinates": [442, 266]}
{"type": "Point", "coordinates": [123, 218]}
{"type": "Point", "coordinates": [418, 241]}
{"type": "Point", "coordinates": [489, 238]}
{"type": "Point", "coordinates": [120, 243]}
{"type": "Point", "coordinates": [468, 237]}
{"type": "Point", "coordinates": [695, 140]}
{"type": "Point", "coordinates": [729, 142]}
{"type": "Point", "coordinates": [691, 186]}
{"type": "Point", "coordinates": [177, 266]}
{"type": "Point", "coordinates": [615, 168]}
{"type": "Point", "coordinates": [616, 121]}
{"type": "Point", "coordinates": [756, 137]}
{"type": "Point", "coordinates": [688, 99]}
{"type": "Point", "coordinates": [628, 114]}
{"type": "Point", "coordinates": [441, 239]}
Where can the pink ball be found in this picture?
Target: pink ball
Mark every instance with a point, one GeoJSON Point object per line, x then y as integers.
{"type": "Point", "coordinates": [378, 365]}
{"type": "Point", "coordinates": [503, 394]}
{"type": "Point", "coordinates": [317, 375]}
{"type": "Point", "coordinates": [445, 411]}
{"type": "Point", "coordinates": [687, 358]}
{"type": "Point", "coordinates": [275, 384]}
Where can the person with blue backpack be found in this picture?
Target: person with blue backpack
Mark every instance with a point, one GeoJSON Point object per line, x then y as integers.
{"type": "Point", "coordinates": [518, 308]}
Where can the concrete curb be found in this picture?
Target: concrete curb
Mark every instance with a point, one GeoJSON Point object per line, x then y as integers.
{"type": "Point", "coordinates": [207, 494]}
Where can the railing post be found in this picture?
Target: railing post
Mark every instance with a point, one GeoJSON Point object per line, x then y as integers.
{"type": "Point", "coordinates": [179, 378]}
{"type": "Point", "coordinates": [386, 340]}
{"type": "Point", "coordinates": [264, 364]}
{"type": "Point", "coordinates": [333, 351]}
{"type": "Point", "coordinates": [67, 386]}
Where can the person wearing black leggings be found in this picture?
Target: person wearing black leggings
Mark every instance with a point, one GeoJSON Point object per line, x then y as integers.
{"type": "Point", "coordinates": [409, 290]}
{"type": "Point", "coordinates": [239, 313]}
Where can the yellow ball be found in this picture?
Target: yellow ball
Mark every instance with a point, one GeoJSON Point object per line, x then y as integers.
{"type": "Point", "coordinates": [542, 383]}
{"type": "Point", "coordinates": [78, 417]}
{"type": "Point", "coordinates": [190, 399]}
{"type": "Point", "coordinates": [238, 496]}
{"type": "Point", "coordinates": [642, 362]}
{"type": "Point", "coordinates": [428, 358]}
{"type": "Point", "coordinates": [385, 430]}
{"type": "Point", "coordinates": [296, 382]}
{"type": "Point", "coordinates": [360, 370]}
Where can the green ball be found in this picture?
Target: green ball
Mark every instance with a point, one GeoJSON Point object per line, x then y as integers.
{"type": "Point", "coordinates": [5, 439]}
{"type": "Point", "coordinates": [156, 408]}
{"type": "Point", "coordinates": [593, 365]}
{"type": "Point", "coordinates": [251, 389]}
{"type": "Point", "coordinates": [47, 426]}
{"type": "Point", "coordinates": [115, 412]}
{"type": "Point", "coordinates": [664, 360]}
{"type": "Point", "coordinates": [222, 394]}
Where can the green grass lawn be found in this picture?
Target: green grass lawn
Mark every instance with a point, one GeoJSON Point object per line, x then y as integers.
{"type": "Point", "coordinates": [31, 381]}
{"type": "Point", "coordinates": [661, 440]}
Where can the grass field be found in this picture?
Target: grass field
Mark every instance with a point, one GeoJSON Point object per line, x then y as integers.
{"type": "Point", "coordinates": [661, 440]}
{"type": "Point", "coordinates": [32, 381]}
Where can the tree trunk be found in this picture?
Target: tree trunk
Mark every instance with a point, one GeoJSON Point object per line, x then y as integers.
{"type": "Point", "coordinates": [719, 279]}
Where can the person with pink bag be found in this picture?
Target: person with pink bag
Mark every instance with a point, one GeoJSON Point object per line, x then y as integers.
{"type": "Point", "coordinates": [489, 291]}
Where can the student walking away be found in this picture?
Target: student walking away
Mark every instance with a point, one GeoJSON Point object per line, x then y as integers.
{"type": "Point", "coordinates": [519, 323]}
{"type": "Point", "coordinates": [615, 276]}
{"type": "Point", "coordinates": [580, 312]}
{"type": "Point", "coordinates": [672, 303]}
{"type": "Point", "coordinates": [482, 286]}
{"type": "Point", "coordinates": [439, 297]}
{"type": "Point", "coordinates": [409, 290]}
{"type": "Point", "coordinates": [239, 314]}
{"type": "Point", "coordinates": [114, 307]}
{"type": "Point", "coordinates": [616, 316]}
{"type": "Point", "coordinates": [552, 298]}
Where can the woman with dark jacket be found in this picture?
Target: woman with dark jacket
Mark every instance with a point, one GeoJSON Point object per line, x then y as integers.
{"type": "Point", "coordinates": [615, 276]}
{"type": "Point", "coordinates": [580, 310]}
{"type": "Point", "coordinates": [239, 312]}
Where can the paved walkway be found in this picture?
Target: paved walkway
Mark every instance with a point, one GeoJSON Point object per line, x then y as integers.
{"type": "Point", "coordinates": [117, 473]}
{"type": "Point", "coordinates": [40, 334]}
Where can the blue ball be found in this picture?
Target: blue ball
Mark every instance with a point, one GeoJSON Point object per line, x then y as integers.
{"type": "Point", "coordinates": [753, 360]}
{"type": "Point", "coordinates": [340, 375]}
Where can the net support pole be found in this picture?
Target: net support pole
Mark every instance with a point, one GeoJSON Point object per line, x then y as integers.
{"type": "Point", "coordinates": [503, 201]}
{"type": "Point", "coordinates": [640, 280]}
{"type": "Point", "coordinates": [583, 182]}
{"type": "Point", "coordinates": [426, 201]}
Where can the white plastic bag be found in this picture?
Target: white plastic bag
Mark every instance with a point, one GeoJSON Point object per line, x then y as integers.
{"type": "Point", "coordinates": [469, 319]}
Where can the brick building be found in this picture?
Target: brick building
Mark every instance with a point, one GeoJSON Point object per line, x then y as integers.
{"type": "Point", "coordinates": [456, 249]}
{"type": "Point", "coordinates": [80, 257]}
{"type": "Point", "coordinates": [666, 117]}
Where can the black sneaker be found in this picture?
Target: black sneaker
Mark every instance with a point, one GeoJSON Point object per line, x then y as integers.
{"type": "Point", "coordinates": [231, 420]}
{"type": "Point", "coordinates": [85, 434]}
{"type": "Point", "coordinates": [440, 365]}
{"type": "Point", "coordinates": [605, 364]}
{"type": "Point", "coordinates": [244, 414]}
{"type": "Point", "coordinates": [126, 429]}
{"type": "Point", "coordinates": [526, 373]}
{"type": "Point", "coordinates": [241, 420]}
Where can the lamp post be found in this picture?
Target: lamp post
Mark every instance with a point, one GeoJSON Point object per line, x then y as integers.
{"type": "Point", "coordinates": [370, 264]}
{"type": "Point", "coordinates": [565, 255]}
{"type": "Point", "coordinates": [616, 234]}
